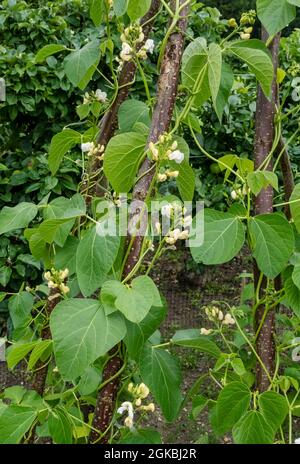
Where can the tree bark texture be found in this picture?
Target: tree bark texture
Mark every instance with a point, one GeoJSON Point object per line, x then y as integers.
{"type": "Point", "coordinates": [41, 375]}
{"type": "Point", "coordinates": [162, 116]}
{"type": "Point", "coordinates": [264, 136]}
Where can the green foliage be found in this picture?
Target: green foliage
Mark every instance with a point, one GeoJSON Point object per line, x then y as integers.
{"type": "Point", "coordinates": [256, 55]}
{"type": "Point", "coordinates": [295, 206]}
{"type": "Point", "coordinates": [276, 14]}
{"type": "Point", "coordinates": [192, 339]}
{"type": "Point", "coordinates": [232, 403]}
{"type": "Point", "coordinates": [122, 158]}
{"type": "Point", "coordinates": [60, 144]}
{"type": "Point", "coordinates": [134, 301]}
{"type": "Point", "coordinates": [160, 371]}
{"type": "Point", "coordinates": [267, 231]}
{"type": "Point", "coordinates": [81, 333]}
{"type": "Point", "coordinates": [17, 217]}
{"type": "Point", "coordinates": [90, 308]}
{"type": "Point", "coordinates": [94, 259]}
{"type": "Point", "coordinates": [132, 112]}
{"type": "Point", "coordinates": [14, 423]}
{"type": "Point", "coordinates": [223, 238]}
{"type": "Point", "coordinates": [80, 65]}
{"type": "Point", "coordinates": [137, 8]}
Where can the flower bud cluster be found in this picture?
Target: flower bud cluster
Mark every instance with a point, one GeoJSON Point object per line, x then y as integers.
{"type": "Point", "coordinates": [99, 95]}
{"type": "Point", "coordinates": [131, 39]}
{"type": "Point", "coordinates": [215, 314]}
{"type": "Point", "coordinates": [248, 18]}
{"type": "Point", "coordinates": [56, 280]}
{"type": "Point", "coordinates": [239, 192]}
{"type": "Point", "coordinates": [92, 150]}
{"type": "Point", "coordinates": [175, 235]}
{"type": "Point", "coordinates": [166, 150]}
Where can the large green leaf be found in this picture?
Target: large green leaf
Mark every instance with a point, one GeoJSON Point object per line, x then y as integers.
{"type": "Point", "coordinates": [120, 7]}
{"type": "Point", "coordinates": [292, 294]}
{"type": "Point", "coordinates": [18, 351]}
{"type": "Point", "coordinates": [256, 55]}
{"type": "Point", "coordinates": [37, 245]}
{"type": "Point", "coordinates": [122, 157]}
{"type": "Point", "coordinates": [140, 437]}
{"type": "Point", "coordinates": [78, 63]}
{"type": "Point", "coordinates": [224, 236]}
{"type": "Point", "coordinates": [161, 372]}
{"type": "Point", "coordinates": [259, 180]}
{"type": "Point", "coordinates": [252, 429]}
{"type": "Point", "coordinates": [195, 78]}
{"type": "Point", "coordinates": [66, 257]}
{"type": "Point", "coordinates": [186, 181]}
{"type": "Point", "coordinates": [227, 80]}
{"type": "Point", "coordinates": [94, 259]}
{"type": "Point", "coordinates": [296, 276]}
{"type": "Point", "coordinates": [131, 112]}
{"type": "Point", "coordinates": [55, 230]}
{"type": "Point", "coordinates": [59, 217]}
{"type": "Point", "coordinates": [96, 10]}
{"type": "Point", "coordinates": [65, 208]}
{"type": "Point", "coordinates": [232, 403]}
{"type": "Point", "coordinates": [89, 381]}
{"type": "Point", "coordinates": [138, 334]}
{"type": "Point", "coordinates": [15, 421]}
{"type": "Point", "coordinates": [81, 333]}
{"type": "Point", "coordinates": [137, 8]}
{"type": "Point", "coordinates": [133, 301]}
{"type": "Point", "coordinates": [42, 350]}
{"type": "Point", "coordinates": [273, 242]}
{"type": "Point", "coordinates": [61, 143]}
{"type": "Point", "coordinates": [295, 206]}
{"type": "Point", "coordinates": [275, 15]}
{"type": "Point", "coordinates": [196, 47]}
{"type": "Point", "coordinates": [17, 217]}
{"type": "Point", "coordinates": [60, 427]}
{"type": "Point", "coordinates": [20, 306]}
{"type": "Point", "coordinates": [192, 338]}
{"type": "Point", "coordinates": [214, 70]}
{"type": "Point", "coordinates": [274, 408]}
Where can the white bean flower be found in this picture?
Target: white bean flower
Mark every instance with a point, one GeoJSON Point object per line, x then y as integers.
{"type": "Point", "coordinates": [234, 195]}
{"type": "Point", "coordinates": [297, 441]}
{"type": "Point", "coordinates": [176, 156]}
{"type": "Point", "coordinates": [88, 146]}
{"type": "Point", "coordinates": [149, 46]}
{"type": "Point", "coordinates": [126, 52]}
{"type": "Point", "coordinates": [175, 234]}
{"type": "Point", "coordinates": [126, 407]}
{"type": "Point", "coordinates": [101, 96]}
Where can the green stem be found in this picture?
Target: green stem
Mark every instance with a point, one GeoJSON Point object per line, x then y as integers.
{"type": "Point", "coordinates": [144, 81]}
